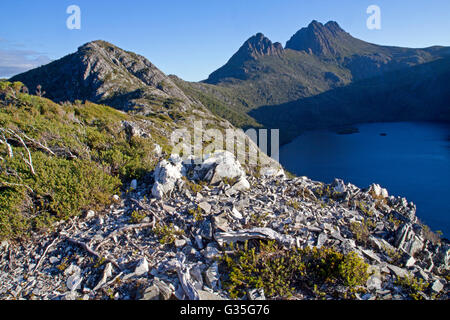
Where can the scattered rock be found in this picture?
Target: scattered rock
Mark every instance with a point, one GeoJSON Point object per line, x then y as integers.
{"type": "Point", "coordinates": [141, 267]}
{"type": "Point", "coordinates": [74, 282]}
{"type": "Point", "coordinates": [151, 293]}
{"type": "Point", "coordinates": [437, 286]}
{"type": "Point", "coordinates": [212, 276]}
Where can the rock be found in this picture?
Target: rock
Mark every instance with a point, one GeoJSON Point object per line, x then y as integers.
{"type": "Point", "coordinates": [4, 245]}
{"type": "Point", "coordinates": [196, 274]}
{"type": "Point", "coordinates": [180, 243]}
{"type": "Point", "coordinates": [221, 223]}
{"type": "Point", "coordinates": [107, 273]}
{"type": "Point", "coordinates": [321, 239]}
{"type": "Point", "coordinates": [211, 251]}
{"type": "Point", "coordinates": [408, 241]}
{"type": "Point", "coordinates": [236, 214]}
{"type": "Point", "coordinates": [132, 129]}
{"type": "Point", "coordinates": [221, 165]}
{"type": "Point", "coordinates": [158, 150]}
{"type": "Point", "coordinates": [372, 255]}
{"type": "Point", "coordinates": [241, 185]}
{"type": "Point", "coordinates": [53, 260]}
{"type": "Point", "coordinates": [409, 261]}
{"type": "Point", "coordinates": [70, 296]}
{"type": "Point", "coordinates": [209, 296]}
{"type": "Point", "coordinates": [442, 258]}
{"type": "Point", "coordinates": [272, 171]}
{"type": "Point", "coordinates": [339, 186]}
{"type": "Point", "coordinates": [377, 192]}
{"type": "Point", "coordinates": [206, 230]}
{"type": "Point", "coordinates": [165, 292]}
{"type": "Point", "coordinates": [133, 184]}
{"type": "Point", "coordinates": [205, 206]}
{"type": "Point", "coordinates": [255, 233]}
{"type": "Point", "coordinates": [151, 293]}
{"type": "Point", "coordinates": [256, 294]}
{"type": "Point", "coordinates": [199, 241]}
{"type": "Point", "coordinates": [141, 267]}
{"type": "Point", "coordinates": [437, 286]}
{"type": "Point", "coordinates": [166, 176]}
{"type": "Point", "coordinates": [90, 214]}
{"type": "Point", "coordinates": [72, 269]}
{"type": "Point", "coordinates": [399, 272]}
{"type": "Point", "coordinates": [74, 282]}
{"type": "Point", "coordinates": [374, 283]}
{"type": "Point", "coordinates": [212, 277]}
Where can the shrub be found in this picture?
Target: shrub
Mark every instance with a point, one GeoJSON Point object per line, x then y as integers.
{"type": "Point", "coordinates": [167, 234]}
{"type": "Point", "coordinates": [90, 157]}
{"type": "Point", "coordinates": [361, 231]}
{"type": "Point", "coordinates": [413, 286]}
{"type": "Point", "coordinates": [280, 271]}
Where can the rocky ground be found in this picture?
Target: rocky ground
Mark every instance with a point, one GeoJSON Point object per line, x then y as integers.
{"type": "Point", "coordinates": [162, 237]}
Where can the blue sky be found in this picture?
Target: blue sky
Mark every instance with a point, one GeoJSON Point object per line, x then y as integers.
{"type": "Point", "coordinates": [192, 38]}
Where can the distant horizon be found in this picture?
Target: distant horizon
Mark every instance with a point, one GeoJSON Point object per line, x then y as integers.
{"type": "Point", "coordinates": [191, 40]}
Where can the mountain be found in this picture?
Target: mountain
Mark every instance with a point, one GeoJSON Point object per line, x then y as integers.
{"type": "Point", "coordinates": [319, 58]}
{"type": "Point", "coordinates": [103, 73]}
{"type": "Point", "coordinates": [261, 79]}
{"type": "Point", "coordinates": [419, 93]}
{"type": "Point", "coordinates": [254, 48]}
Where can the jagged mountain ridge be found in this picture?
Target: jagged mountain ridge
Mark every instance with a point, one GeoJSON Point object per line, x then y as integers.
{"type": "Point", "coordinates": [330, 42]}
{"type": "Point", "coordinates": [318, 59]}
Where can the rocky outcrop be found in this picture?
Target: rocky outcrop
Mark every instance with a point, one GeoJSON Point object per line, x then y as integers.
{"type": "Point", "coordinates": [254, 48]}
{"type": "Point", "coordinates": [167, 174]}
{"type": "Point", "coordinates": [179, 260]}
{"type": "Point", "coordinates": [216, 167]}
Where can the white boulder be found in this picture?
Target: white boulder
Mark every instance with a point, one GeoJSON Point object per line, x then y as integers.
{"type": "Point", "coordinates": [166, 175]}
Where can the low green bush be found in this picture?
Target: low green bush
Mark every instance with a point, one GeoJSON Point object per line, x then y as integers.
{"type": "Point", "coordinates": [280, 272]}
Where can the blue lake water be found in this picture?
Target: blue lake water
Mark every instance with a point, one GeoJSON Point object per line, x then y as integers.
{"type": "Point", "coordinates": [412, 161]}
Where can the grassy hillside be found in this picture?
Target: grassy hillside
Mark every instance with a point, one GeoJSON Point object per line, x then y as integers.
{"type": "Point", "coordinates": [57, 160]}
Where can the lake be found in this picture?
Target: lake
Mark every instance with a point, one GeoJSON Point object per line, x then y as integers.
{"type": "Point", "coordinates": [410, 160]}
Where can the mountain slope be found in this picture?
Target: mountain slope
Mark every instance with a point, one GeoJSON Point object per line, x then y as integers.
{"type": "Point", "coordinates": [103, 73]}
{"type": "Point", "coordinates": [420, 93]}
{"type": "Point", "coordinates": [317, 59]}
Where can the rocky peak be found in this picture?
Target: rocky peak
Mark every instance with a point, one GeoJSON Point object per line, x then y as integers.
{"type": "Point", "coordinates": [259, 45]}
{"type": "Point", "coordinates": [253, 49]}
{"type": "Point", "coordinates": [319, 39]}
{"type": "Point", "coordinates": [103, 73]}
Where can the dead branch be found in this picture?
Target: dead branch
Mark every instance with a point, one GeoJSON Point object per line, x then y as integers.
{"type": "Point", "coordinates": [29, 162]}
{"type": "Point", "coordinates": [45, 253]}
{"type": "Point", "coordinates": [5, 142]}
{"type": "Point", "coordinates": [123, 229]}
{"type": "Point", "coordinates": [37, 143]}
{"type": "Point", "coordinates": [92, 252]}
{"type": "Point", "coordinates": [9, 184]}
